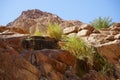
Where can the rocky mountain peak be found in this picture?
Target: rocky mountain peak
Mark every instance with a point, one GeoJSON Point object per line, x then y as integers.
{"type": "Point", "coordinates": [34, 14]}
{"type": "Point", "coordinates": [31, 18]}
{"type": "Point", "coordinates": [28, 20]}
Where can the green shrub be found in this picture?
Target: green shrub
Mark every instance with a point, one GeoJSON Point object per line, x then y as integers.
{"type": "Point", "coordinates": [100, 22]}
{"type": "Point", "coordinates": [77, 47]}
{"type": "Point", "coordinates": [54, 31]}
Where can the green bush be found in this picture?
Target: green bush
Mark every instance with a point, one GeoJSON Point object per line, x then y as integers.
{"type": "Point", "coordinates": [100, 22]}
{"type": "Point", "coordinates": [77, 47]}
{"type": "Point", "coordinates": [54, 31]}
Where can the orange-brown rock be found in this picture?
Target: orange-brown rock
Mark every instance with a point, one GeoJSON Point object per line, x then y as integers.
{"type": "Point", "coordinates": [14, 67]}
{"type": "Point", "coordinates": [70, 23]}
{"type": "Point", "coordinates": [110, 38]}
{"type": "Point", "coordinates": [15, 43]}
{"type": "Point", "coordinates": [96, 39]}
{"type": "Point", "coordinates": [14, 30]}
{"type": "Point", "coordinates": [87, 27]}
{"type": "Point", "coordinates": [115, 27]}
{"type": "Point", "coordinates": [69, 30]}
{"type": "Point", "coordinates": [53, 64]}
{"type": "Point", "coordinates": [60, 55]}
{"type": "Point", "coordinates": [117, 36]}
{"type": "Point", "coordinates": [83, 33]}
{"type": "Point", "coordinates": [111, 51]}
{"type": "Point", "coordinates": [93, 75]}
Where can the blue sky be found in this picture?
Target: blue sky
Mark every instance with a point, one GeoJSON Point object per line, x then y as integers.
{"type": "Point", "coordinates": [83, 10]}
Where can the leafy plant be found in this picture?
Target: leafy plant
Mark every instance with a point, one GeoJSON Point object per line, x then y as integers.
{"type": "Point", "coordinates": [100, 22]}
{"type": "Point", "coordinates": [77, 47]}
{"type": "Point", "coordinates": [54, 31]}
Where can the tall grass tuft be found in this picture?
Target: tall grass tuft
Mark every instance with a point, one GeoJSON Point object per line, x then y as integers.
{"type": "Point", "coordinates": [101, 23]}
{"type": "Point", "coordinates": [37, 32]}
{"type": "Point", "coordinates": [77, 47]}
{"type": "Point", "coordinates": [54, 31]}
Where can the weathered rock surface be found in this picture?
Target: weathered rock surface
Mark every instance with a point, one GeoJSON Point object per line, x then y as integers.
{"type": "Point", "coordinates": [15, 42]}
{"type": "Point", "coordinates": [111, 51]}
{"type": "Point", "coordinates": [30, 19]}
{"type": "Point", "coordinates": [70, 23]}
{"type": "Point", "coordinates": [14, 67]}
{"type": "Point", "coordinates": [83, 33]}
{"type": "Point", "coordinates": [117, 36]}
{"type": "Point", "coordinates": [115, 27]}
{"type": "Point", "coordinates": [13, 30]}
{"type": "Point", "coordinates": [87, 27]}
{"type": "Point", "coordinates": [80, 30]}
{"type": "Point", "coordinates": [40, 42]}
{"type": "Point", "coordinates": [69, 30]}
{"type": "Point", "coordinates": [93, 75]}
{"type": "Point", "coordinates": [53, 64]}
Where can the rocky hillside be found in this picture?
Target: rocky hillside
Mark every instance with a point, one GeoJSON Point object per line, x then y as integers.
{"type": "Point", "coordinates": [27, 57]}
{"type": "Point", "coordinates": [30, 19]}
{"type": "Point", "coordinates": [107, 40]}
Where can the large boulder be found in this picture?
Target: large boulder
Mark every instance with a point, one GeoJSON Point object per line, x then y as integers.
{"type": "Point", "coordinates": [96, 39]}
{"type": "Point", "coordinates": [84, 30]}
{"type": "Point", "coordinates": [69, 30]}
{"type": "Point", "coordinates": [14, 67]}
{"type": "Point", "coordinates": [111, 51]}
{"type": "Point", "coordinates": [117, 36]}
{"type": "Point", "coordinates": [115, 27]}
{"type": "Point", "coordinates": [83, 33]}
{"type": "Point", "coordinates": [87, 27]}
{"type": "Point", "coordinates": [15, 42]}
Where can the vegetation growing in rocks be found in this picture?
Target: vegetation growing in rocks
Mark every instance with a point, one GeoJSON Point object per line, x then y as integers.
{"type": "Point", "coordinates": [84, 52]}
{"type": "Point", "coordinates": [100, 63]}
{"type": "Point", "coordinates": [101, 22]}
{"type": "Point", "coordinates": [37, 32]}
{"type": "Point", "coordinates": [77, 47]}
{"type": "Point", "coordinates": [54, 31]}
